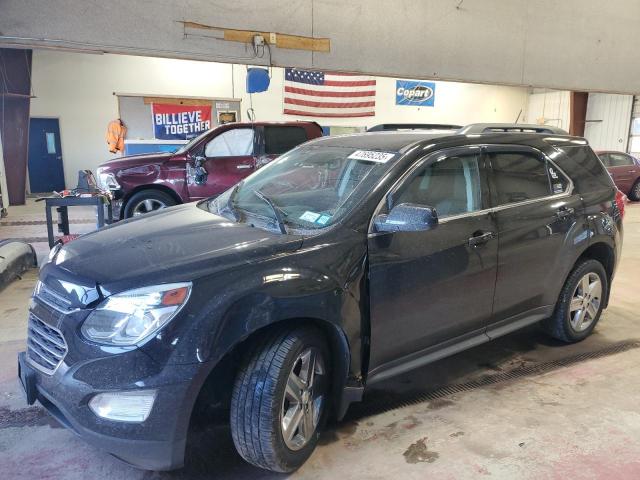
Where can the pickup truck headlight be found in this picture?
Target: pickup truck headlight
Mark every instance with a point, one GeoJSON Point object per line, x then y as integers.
{"type": "Point", "coordinates": [129, 317]}
{"type": "Point", "coordinates": [107, 181]}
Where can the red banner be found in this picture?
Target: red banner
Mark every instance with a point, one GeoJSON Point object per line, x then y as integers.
{"type": "Point", "coordinates": [180, 122]}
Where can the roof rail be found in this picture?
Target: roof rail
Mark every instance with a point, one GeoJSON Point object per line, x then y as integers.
{"type": "Point", "coordinates": [477, 128]}
{"type": "Point", "coordinates": [385, 127]}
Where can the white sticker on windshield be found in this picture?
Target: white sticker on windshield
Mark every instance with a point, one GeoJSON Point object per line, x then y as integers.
{"type": "Point", "coordinates": [309, 216]}
{"type": "Point", "coordinates": [372, 156]}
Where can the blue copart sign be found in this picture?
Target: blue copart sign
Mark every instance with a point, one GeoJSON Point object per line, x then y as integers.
{"type": "Point", "coordinates": [415, 93]}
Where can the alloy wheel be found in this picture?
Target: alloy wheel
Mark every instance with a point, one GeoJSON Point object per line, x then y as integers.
{"type": "Point", "coordinates": [304, 399]}
{"type": "Point", "coordinates": [148, 205]}
{"type": "Point", "coordinates": [585, 302]}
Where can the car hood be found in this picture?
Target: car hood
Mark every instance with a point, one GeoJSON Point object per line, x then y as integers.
{"type": "Point", "coordinates": [181, 243]}
{"type": "Point", "coordinates": [136, 160]}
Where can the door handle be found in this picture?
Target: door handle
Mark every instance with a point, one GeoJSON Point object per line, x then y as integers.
{"type": "Point", "coordinates": [564, 212]}
{"type": "Point", "coordinates": [480, 238]}
{"type": "Point", "coordinates": [243, 167]}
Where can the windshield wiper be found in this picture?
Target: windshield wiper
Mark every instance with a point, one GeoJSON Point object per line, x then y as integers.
{"type": "Point", "coordinates": [279, 214]}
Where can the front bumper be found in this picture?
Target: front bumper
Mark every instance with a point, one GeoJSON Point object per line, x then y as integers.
{"type": "Point", "coordinates": [158, 443]}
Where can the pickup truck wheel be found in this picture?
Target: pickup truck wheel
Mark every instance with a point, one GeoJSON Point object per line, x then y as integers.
{"type": "Point", "coordinates": [279, 399]}
{"type": "Point", "coordinates": [147, 201]}
{"type": "Point", "coordinates": [580, 303]}
{"type": "Point", "coordinates": [634, 194]}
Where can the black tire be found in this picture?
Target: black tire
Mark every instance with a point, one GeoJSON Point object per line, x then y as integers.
{"type": "Point", "coordinates": [136, 202]}
{"type": "Point", "coordinates": [258, 398]}
{"type": "Point", "coordinates": [559, 325]}
{"type": "Point", "coordinates": [634, 193]}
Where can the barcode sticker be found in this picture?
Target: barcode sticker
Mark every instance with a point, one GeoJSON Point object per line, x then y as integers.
{"type": "Point", "coordinates": [371, 156]}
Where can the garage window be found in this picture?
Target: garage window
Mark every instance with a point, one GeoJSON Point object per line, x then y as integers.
{"type": "Point", "coordinates": [282, 139]}
{"type": "Point", "coordinates": [232, 143]}
{"type": "Point", "coordinates": [519, 176]}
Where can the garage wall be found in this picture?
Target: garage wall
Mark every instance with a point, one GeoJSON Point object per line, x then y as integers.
{"type": "Point", "coordinates": [457, 103]}
{"type": "Point", "coordinates": [550, 107]}
{"type": "Point", "coordinates": [78, 89]}
{"type": "Point", "coordinates": [608, 120]}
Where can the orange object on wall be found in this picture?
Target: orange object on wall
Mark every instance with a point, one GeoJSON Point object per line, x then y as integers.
{"type": "Point", "coordinates": [116, 131]}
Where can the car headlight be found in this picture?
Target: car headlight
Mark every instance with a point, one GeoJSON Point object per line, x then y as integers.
{"type": "Point", "coordinates": [129, 317]}
{"type": "Point", "coordinates": [52, 254]}
{"type": "Point", "coordinates": [107, 181]}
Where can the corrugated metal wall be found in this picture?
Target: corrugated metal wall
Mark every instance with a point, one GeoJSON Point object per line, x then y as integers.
{"type": "Point", "coordinates": [550, 107]}
{"type": "Point", "coordinates": [608, 119]}
{"type": "Point", "coordinates": [634, 134]}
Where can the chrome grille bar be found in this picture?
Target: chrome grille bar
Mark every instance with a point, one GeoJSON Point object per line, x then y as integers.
{"type": "Point", "coordinates": [46, 347]}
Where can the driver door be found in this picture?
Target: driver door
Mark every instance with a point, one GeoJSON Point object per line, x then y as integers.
{"type": "Point", "coordinates": [229, 157]}
{"type": "Point", "coordinates": [431, 290]}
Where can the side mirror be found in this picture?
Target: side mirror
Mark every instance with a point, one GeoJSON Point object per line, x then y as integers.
{"type": "Point", "coordinates": [196, 174]}
{"type": "Point", "coordinates": [407, 217]}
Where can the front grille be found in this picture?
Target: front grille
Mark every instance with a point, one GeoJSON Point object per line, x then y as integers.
{"type": "Point", "coordinates": [46, 347]}
{"type": "Point", "coordinates": [51, 298]}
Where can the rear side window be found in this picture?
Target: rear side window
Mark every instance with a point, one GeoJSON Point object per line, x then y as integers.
{"type": "Point", "coordinates": [282, 139]}
{"type": "Point", "coordinates": [451, 186]}
{"type": "Point", "coordinates": [620, 160]}
{"type": "Point", "coordinates": [584, 167]}
{"type": "Point", "coordinates": [519, 176]}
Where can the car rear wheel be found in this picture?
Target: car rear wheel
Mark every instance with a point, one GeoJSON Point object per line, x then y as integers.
{"type": "Point", "coordinates": [279, 400]}
{"type": "Point", "coordinates": [580, 303]}
{"type": "Point", "coordinates": [147, 201]}
{"type": "Point", "coordinates": [634, 194]}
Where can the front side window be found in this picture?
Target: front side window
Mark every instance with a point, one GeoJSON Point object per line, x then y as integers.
{"type": "Point", "coordinates": [451, 186]}
{"type": "Point", "coordinates": [620, 160]}
{"type": "Point", "coordinates": [519, 176]}
{"type": "Point", "coordinates": [606, 161]}
{"type": "Point", "coordinates": [237, 142]}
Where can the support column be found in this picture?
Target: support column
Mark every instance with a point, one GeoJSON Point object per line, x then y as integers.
{"type": "Point", "coordinates": [578, 113]}
{"type": "Point", "coordinates": [15, 100]}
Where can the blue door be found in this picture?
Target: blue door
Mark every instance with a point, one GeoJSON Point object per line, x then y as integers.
{"type": "Point", "coordinates": [45, 156]}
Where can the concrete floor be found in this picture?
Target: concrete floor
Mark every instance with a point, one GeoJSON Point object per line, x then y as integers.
{"type": "Point", "coordinates": [574, 422]}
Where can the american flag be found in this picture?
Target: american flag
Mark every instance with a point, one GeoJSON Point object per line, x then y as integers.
{"type": "Point", "coordinates": [325, 94]}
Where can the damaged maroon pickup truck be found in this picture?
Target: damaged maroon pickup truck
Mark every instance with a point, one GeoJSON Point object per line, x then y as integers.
{"type": "Point", "coordinates": [206, 166]}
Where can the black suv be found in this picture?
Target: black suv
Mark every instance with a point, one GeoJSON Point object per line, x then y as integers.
{"type": "Point", "coordinates": [344, 262]}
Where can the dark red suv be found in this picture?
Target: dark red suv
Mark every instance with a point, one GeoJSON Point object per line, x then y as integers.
{"type": "Point", "coordinates": [206, 166]}
{"type": "Point", "coordinates": [625, 171]}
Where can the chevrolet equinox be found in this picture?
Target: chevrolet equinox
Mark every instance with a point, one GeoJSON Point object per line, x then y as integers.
{"type": "Point", "coordinates": [344, 262]}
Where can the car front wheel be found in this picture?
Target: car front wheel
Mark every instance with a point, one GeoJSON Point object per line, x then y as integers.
{"type": "Point", "coordinates": [147, 201]}
{"type": "Point", "coordinates": [279, 400]}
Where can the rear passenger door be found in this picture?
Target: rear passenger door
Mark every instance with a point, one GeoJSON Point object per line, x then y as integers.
{"type": "Point", "coordinates": [535, 211]}
{"type": "Point", "coordinates": [623, 170]}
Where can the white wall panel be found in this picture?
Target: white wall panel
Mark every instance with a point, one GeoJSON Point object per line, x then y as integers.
{"type": "Point", "coordinates": [608, 119]}
{"type": "Point", "coordinates": [550, 108]}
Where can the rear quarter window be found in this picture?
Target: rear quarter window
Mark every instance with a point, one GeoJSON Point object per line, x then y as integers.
{"type": "Point", "coordinates": [281, 139]}
{"type": "Point", "coordinates": [584, 167]}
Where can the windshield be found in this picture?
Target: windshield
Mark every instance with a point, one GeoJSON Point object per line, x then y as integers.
{"type": "Point", "coordinates": [310, 187]}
